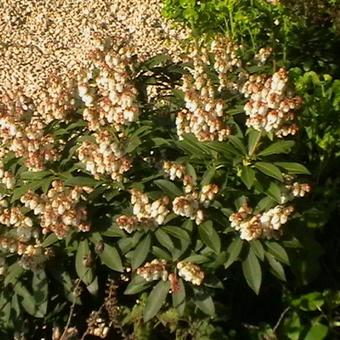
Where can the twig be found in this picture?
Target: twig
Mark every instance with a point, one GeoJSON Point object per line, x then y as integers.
{"type": "Point", "coordinates": [280, 319]}
{"type": "Point", "coordinates": [71, 311]}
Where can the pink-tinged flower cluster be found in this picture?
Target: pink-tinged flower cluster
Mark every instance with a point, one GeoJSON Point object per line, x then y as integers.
{"type": "Point", "coordinates": [107, 90]}
{"type": "Point", "coordinates": [104, 156]}
{"type": "Point", "coordinates": [178, 171]}
{"type": "Point", "coordinates": [154, 270]}
{"type": "Point", "coordinates": [190, 272]}
{"type": "Point", "coordinates": [271, 106]}
{"type": "Point", "coordinates": [60, 210]}
{"type": "Point", "coordinates": [23, 132]}
{"type": "Point", "coordinates": [266, 225]}
{"type": "Point", "coordinates": [146, 215]}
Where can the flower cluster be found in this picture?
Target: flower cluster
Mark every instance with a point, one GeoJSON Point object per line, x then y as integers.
{"type": "Point", "coordinates": [146, 215]}
{"type": "Point", "coordinates": [154, 270]}
{"type": "Point", "coordinates": [24, 133]}
{"type": "Point", "coordinates": [7, 178]}
{"type": "Point", "coordinates": [34, 257]}
{"type": "Point", "coordinates": [208, 193]}
{"type": "Point", "coordinates": [263, 54]}
{"type": "Point", "coordinates": [104, 155]}
{"type": "Point", "coordinates": [190, 272]}
{"type": "Point", "coordinates": [266, 225]}
{"type": "Point", "coordinates": [225, 53]}
{"type": "Point", "coordinates": [270, 106]}
{"type": "Point", "coordinates": [175, 170]}
{"type": "Point", "coordinates": [188, 206]}
{"type": "Point", "coordinates": [107, 91]}
{"type": "Point", "coordinates": [299, 189]}
{"type": "Point", "coordinates": [57, 101]}
{"type": "Point", "coordinates": [13, 217]}
{"type": "Point", "coordinates": [59, 210]}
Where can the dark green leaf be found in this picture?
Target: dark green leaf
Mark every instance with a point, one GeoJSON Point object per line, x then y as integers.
{"type": "Point", "coordinates": [209, 236]}
{"type": "Point", "coordinates": [247, 176]}
{"type": "Point", "coordinates": [283, 146]}
{"type": "Point", "coordinates": [252, 271]}
{"type": "Point", "coordinates": [276, 267]}
{"type": "Point", "coordinates": [178, 298]}
{"type": "Point", "coordinates": [233, 251]}
{"type": "Point", "coordinates": [205, 303]}
{"type": "Point", "coordinates": [254, 137]}
{"type": "Point", "coordinates": [269, 170]}
{"type": "Point", "coordinates": [168, 188]}
{"type": "Point", "coordinates": [111, 258]}
{"type": "Point", "coordinates": [293, 168]}
{"type": "Point", "coordinates": [82, 258]}
{"type": "Point", "coordinates": [277, 251]}
{"type": "Point", "coordinates": [141, 252]}
{"type": "Point", "coordinates": [137, 285]}
{"type": "Point", "coordinates": [258, 249]}
{"type": "Point", "coordinates": [156, 300]}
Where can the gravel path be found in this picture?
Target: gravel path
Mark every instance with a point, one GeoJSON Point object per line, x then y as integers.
{"type": "Point", "coordinates": [43, 37]}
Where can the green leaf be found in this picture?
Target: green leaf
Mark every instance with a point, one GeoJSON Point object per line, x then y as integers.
{"type": "Point", "coordinates": [209, 236]}
{"type": "Point", "coordinates": [237, 144]}
{"type": "Point", "coordinates": [82, 181]}
{"type": "Point", "coordinates": [111, 258]}
{"type": "Point", "coordinates": [283, 146]}
{"type": "Point", "coordinates": [277, 251]}
{"type": "Point", "coordinates": [247, 176]}
{"type": "Point", "coordinates": [133, 143]}
{"type": "Point", "coordinates": [258, 249]}
{"type": "Point", "coordinates": [254, 137]}
{"type": "Point", "coordinates": [156, 300]}
{"type": "Point", "coordinates": [269, 170]}
{"type": "Point", "coordinates": [141, 252]}
{"type": "Point", "coordinates": [318, 331]}
{"type": "Point", "coordinates": [233, 251]}
{"type": "Point", "coordinates": [83, 254]}
{"type": "Point", "coordinates": [191, 172]}
{"type": "Point", "coordinates": [178, 298]}
{"type": "Point", "coordinates": [49, 240]}
{"type": "Point", "coordinates": [276, 267]}
{"type": "Point", "coordinates": [274, 191]}
{"type": "Point", "coordinates": [40, 293]}
{"type": "Point", "coordinates": [168, 188]}
{"type": "Point", "coordinates": [208, 176]}
{"type": "Point", "coordinates": [293, 168]}
{"type": "Point", "coordinates": [13, 273]}
{"type": "Point", "coordinates": [205, 303]}
{"type": "Point", "coordinates": [177, 232]}
{"type": "Point", "coordinates": [252, 271]}
{"type": "Point", "coordinates": [164, 239]}
{"type": "Point", "coordinates": [137, 285]}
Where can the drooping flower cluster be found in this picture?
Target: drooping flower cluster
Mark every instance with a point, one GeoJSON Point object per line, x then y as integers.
{"type": "Point", "coordinates": [105, 155]}
{"type": "Point", "coordinates": [107, 90]}
{"type": "Point", "coordinates": [270, 106]}
{"type": "Point", "coordinates": [299, 189]}
{"type": "Point", "coordinates": [7, 177]}
{"type": "Point", "coordinates": [154, 270]}
{"type": "Point", "coordinates": [190, 272]}
{"type": "Point", "coordinates": [189, 205]}
{"type": "Point", "coordinates": [266, 225]}
{"type": "Point", "coordinates": [225, 54]}
{"type": "Point", "coordinates": [146, 215]}
{"type": "Point", "coordinates": [23, 133]}
{"type": "Point", "coordinates": [59, 210]}
{"type": "Point", "coordinates": [57, 101]}
{"type": "Point", "coordinates": [176, 170]}
{"type": "Point", "coordinates": [157, 270]}
{"type": "Point", "coordinates": [263, 54]}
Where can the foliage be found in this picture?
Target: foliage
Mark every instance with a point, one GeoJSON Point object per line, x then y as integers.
{"type": "Point", "coordinates": [167, 200]}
